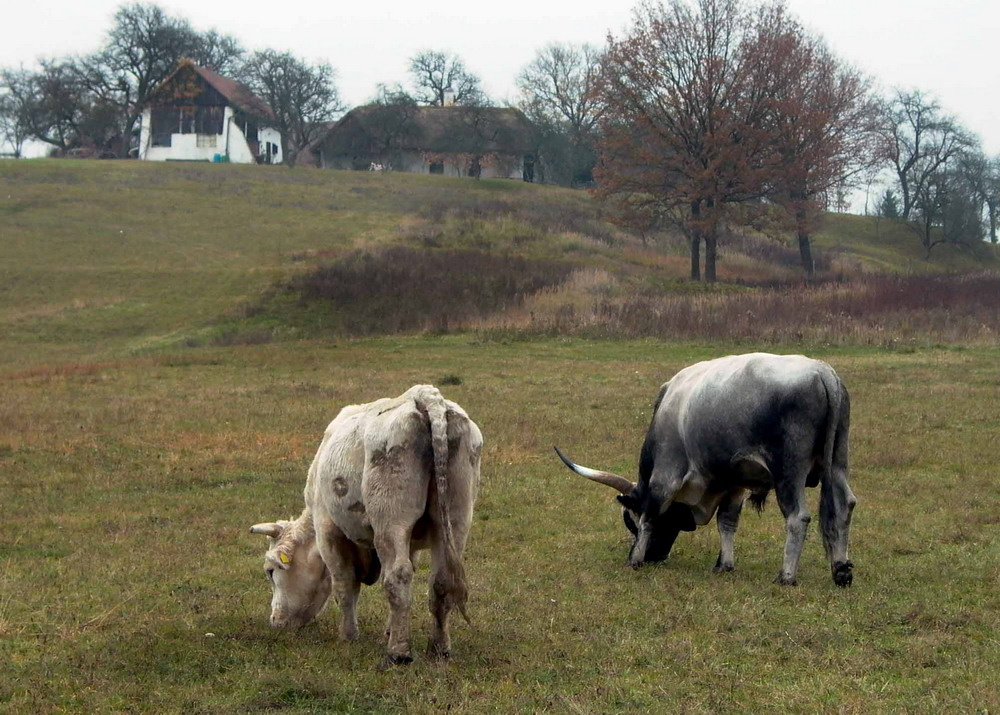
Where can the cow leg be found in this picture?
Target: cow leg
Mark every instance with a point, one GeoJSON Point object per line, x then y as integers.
{"type": "Point", "coordinates": [448, 587]}
{"type": "Point", "coordinates": [397, 576]}
{"type": "Point", "coordinates": [727, 519]}
{"type": "Point", "coordinates": [836, 504]}
{"type": "Point", "coordinates": [340, 555]}
{"type": "Point", "coordinates": [789, 488]}
{"type": "Point", "coordinates": [440, 599]}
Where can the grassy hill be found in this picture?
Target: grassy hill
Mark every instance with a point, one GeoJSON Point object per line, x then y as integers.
{"type": "Point", "coordinates": [128, 255]}
{"type": "Point", "coordinates": [172, 344]}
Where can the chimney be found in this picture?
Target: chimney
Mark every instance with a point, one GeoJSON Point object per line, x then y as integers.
{"type": "Point", "coordinates": [449, 97]}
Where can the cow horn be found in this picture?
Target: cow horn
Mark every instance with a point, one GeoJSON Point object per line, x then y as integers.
{"type": "Point", "coordinates": [273, 530]}
{"type": "Point", "coordinates": [612, 480]}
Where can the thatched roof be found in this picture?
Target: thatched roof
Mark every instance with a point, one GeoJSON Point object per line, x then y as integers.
{"type": "Point", "coordinates": [235, 93]}
{"type": "Point", "coordinates": [438, 130]}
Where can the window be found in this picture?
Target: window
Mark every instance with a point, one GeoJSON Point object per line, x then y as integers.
{"type": "Point", "coordinates": [208, 120]}
{"type": "Point", "coordinates": [248, 127]}
{"type": "Point", "coordinates": [187, 115]}
{"type": "Point", "coordinates": [164, 122]}
{"type": "Point", "coordinates": [207, 140]}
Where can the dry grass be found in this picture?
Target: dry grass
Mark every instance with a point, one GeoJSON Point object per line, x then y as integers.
{"type": "Point", "coordinates": [869, 309]}
{"type": "Point", "coordinates": [128, 489]}
{"type": "Point", "coordinates": [130, 467]}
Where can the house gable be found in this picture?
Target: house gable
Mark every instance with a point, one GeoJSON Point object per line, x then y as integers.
{"type": "Point", "coordinates": [198, 115]}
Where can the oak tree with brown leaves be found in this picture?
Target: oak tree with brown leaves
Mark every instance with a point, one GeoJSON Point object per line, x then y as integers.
{"type": "Point", "coordinates": [706, 107]}
{"type": "Point", "coordinates": [825, 128]}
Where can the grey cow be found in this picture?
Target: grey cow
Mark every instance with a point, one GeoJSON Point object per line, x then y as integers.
{"type": "Point", "coordinates": [737, 427]}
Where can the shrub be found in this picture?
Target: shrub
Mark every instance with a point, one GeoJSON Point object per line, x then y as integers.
{"type": "Point", "coordinates": [401, 289]}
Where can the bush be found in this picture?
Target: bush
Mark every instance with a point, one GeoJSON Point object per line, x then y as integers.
{"type": "Point", "coordinates": [402, 289]}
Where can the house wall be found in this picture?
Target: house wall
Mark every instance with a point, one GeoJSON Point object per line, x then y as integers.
{"type": "Point", "coordinates": [184, 147]}
{"type": "Point", "coordinates": [413, 162]}
{"type": "Point", "coordinates": [272, 135]}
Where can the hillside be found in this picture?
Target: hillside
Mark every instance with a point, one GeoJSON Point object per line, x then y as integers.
{"type": "Point", "coordinates": [175, 338]}
{"type": "Point", "coordinates": [111, 256]}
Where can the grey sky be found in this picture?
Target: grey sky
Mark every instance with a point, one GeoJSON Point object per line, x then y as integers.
{"type": "Point", "coordinates": [944, 47]}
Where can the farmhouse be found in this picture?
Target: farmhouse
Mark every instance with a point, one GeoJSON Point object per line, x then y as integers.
{"type": "Point", "coordinates": [487, 142]}
{"type": "Point", "coordinates": [199, 115]}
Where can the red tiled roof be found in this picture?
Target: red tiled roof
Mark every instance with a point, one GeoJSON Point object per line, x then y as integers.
{"type": "Point", "coordinates": [236, 92]}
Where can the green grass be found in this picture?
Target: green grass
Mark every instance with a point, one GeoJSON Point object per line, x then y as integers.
{"type": "Point", "coordinates": [891, 247]}
{"type": "Point", "coordinates": [131, 468]}
{"type": "Point", "coordinates": [129, 488]}
{"type": "Point", "coordinates": [126, 256]}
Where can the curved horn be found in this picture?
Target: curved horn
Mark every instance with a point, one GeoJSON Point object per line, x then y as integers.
{"type": "Point", "coordinates": [273, 530]}
{"type": "Point", "coordinates": [612, 480]}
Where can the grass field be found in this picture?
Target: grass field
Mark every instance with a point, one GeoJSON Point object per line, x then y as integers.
{"type": "Point", "coordinates": [135, 452]}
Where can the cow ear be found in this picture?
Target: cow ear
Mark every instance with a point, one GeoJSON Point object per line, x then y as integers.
{"type": "Point", "coordinates": [628, 501]}
{"type": "Point", "coordinates": [268, 529]}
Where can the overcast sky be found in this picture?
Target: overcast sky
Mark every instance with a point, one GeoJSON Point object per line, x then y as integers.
{"type": "Point", "coordinates": [948, 48]}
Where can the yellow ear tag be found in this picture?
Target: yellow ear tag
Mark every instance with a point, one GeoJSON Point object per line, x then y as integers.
{"type": "Point", "coordinates": [283, 557]}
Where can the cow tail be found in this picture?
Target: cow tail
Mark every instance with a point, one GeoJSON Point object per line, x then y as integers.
{"type": "Point", "coordinates": [437, 413]}
{"type": "Point", "coordinates": [834, 400]}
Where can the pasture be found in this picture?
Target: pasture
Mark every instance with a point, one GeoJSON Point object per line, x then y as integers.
{"type": "Point", "coordinates": [136, 448]}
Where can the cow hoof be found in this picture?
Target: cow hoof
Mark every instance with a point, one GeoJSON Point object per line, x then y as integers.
{"type": "Point", "coordinates": [398, 658]}
{"type": "Point", "coordinates": [349, 636]}
{"type": "Point", "coordinates": [435, 650]}
{"type": "Point", "coordinates": [786, 580]}
{"type": "Point", "coordinates": [843, 573]}
{"type": "Point", "coordinates": [722, 568]}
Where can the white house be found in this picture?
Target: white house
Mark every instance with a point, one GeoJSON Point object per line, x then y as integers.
{"type": "Point", "coordinates": [199, 115]}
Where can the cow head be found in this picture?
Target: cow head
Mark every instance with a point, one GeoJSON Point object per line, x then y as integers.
{"type": "Point", "coordinates": [653, 534]}
{"type": "Point", "coordinates": [300, 581]}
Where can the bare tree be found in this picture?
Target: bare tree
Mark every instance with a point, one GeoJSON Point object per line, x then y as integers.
{"type": "Point", "coordinates": [558, 96]}
{"type": "Point", "coordinates": [920, 140]}
{"type": "Point", "coordinates": [56, 108]}
{"type": "Point", "coordinates": [558, 87]}
{"type": "Point", "coordinates": [16, 107]}
{"type": "Point", "coordinates": [992, 195]}
{"type": "Point", "coordinates": [222, 53]}
{"type": "Point", "coordinates": [142, 48]}
{"type": "Point", "coordinates": [437, 73]}
{"type": "Point", "coordinates": [981, 174]}
{"type": "Point", "coordinates": [946, 210]}
{"type": "Point", "coordinates": [302, 95]}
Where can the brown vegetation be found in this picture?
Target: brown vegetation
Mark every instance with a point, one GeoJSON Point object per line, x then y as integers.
{"type": "Point", "coordinates": [870, 310]}
{"type": "Point", "coordinates": [403, 289]}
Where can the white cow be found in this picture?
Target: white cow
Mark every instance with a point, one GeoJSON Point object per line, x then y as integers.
{"type": "Point", "coordinates": [390, 477]}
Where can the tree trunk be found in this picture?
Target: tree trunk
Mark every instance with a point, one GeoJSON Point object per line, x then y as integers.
{"type": "Point", "coordinates": [711, 244]}
{"type": "Point", "coordinates": [805, 251]}
{"type": "Point", "coordinates": [991, 210]}
{"type": "Point", "coordinates": [695, 241]}
{"type": "Point", "coordinates": [130, 121]}
{"type": "Point", "coordinates": [695, 256]}
{"type": "Point", "coordinates": [288, 153]}
{"type": "Point", "coordinates": [907, 202]}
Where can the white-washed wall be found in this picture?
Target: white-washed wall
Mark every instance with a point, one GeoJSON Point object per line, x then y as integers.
{"type": "Point", "coordinates": [270, 134]}
{"type": "Point", "coordinates": [185, 147]}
